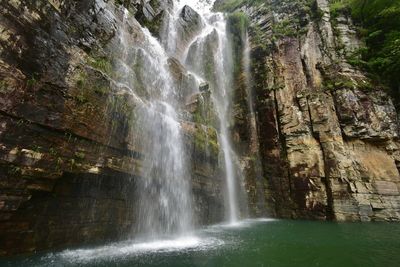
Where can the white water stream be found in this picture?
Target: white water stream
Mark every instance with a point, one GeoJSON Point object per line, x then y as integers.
{"type": "Point", "coordinates": [209, 56]}
{"type": "Point", "coordinates": [164, 194]}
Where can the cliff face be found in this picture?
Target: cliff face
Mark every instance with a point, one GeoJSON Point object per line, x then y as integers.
{"type": "Point", "coordinates": [323, 142]}
{"type": "Point", "coordinates": [69, 159]}
{"type": "Point", "coordinates": [328, 134]}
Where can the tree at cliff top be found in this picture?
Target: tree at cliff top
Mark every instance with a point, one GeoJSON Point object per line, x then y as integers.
{"type": "Point", "coordinates": [380, 22]}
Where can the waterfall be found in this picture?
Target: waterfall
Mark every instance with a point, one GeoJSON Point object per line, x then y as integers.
{"type": "Point", "coordinates": [209, 55]}
{"type": "Point", "coordinates": [163, 192]}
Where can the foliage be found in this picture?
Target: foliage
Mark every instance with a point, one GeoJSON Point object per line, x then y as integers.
{"type": "Point", "coordinates": [3, 86]}
{"type": "Point", "coordinates": [81, 98]}
{"type": "Point", "coordinates": [102, 64]}
{"type": "Point", "coordinates": [298, 14]}
{"type": "Point", "coordinates": [231, 5]}
{"type": "Point", "coordinates": [339, 7]}
{"type": "Point", "coordinates": [80, 155]}
{"type": "Point", "coordinates": [206, 139]}
{"type": "Point", "coordinates": [285, 27]}
{"type": "Point", "coordinates": [380, 24]}
{"type": "Point", "coordinates": [237, 24]}
{"type": "Point", "coordinates": [31, 82]}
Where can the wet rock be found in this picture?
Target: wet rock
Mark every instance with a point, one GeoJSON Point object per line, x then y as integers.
{"type": "Point", "coordinates": [150, 14]}
{"type": "Point", "coordinates": [189, 25]}
{"type": "Point", "coordinates": [69, 154]}
{"type": "Point", "coordinates": [333, 130]}
{"type": "Point", "coordinates": [204, 87]}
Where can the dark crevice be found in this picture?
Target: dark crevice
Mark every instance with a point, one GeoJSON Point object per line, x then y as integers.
{"type": "Point", "coordinates": [328, 189]}
{"type": "Point", "coordinates": [306, 72]}
{"type": "Point", "coordinates": [282, 140]}
{"type": "Point", "coordinates": [345, 138]}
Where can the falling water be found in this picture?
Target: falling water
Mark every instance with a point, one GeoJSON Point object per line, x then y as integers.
{"type": "Point", "coordinates": [163, 191]}
{"type": "Point", "coordinates": [209, 55]}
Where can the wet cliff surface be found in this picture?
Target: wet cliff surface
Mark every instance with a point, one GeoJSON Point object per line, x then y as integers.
{"type": "Point", "coordinates": [328, 134]}
{"type": "Point", "coordinates": [70, 161]}
{"type": "Point", "coordinates": [320, 139]}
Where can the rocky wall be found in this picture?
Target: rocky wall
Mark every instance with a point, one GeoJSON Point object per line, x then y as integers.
{"type": "Point", "coordinates": [328, 133]}
{"type": "Point", "coordinates": [69, 154]}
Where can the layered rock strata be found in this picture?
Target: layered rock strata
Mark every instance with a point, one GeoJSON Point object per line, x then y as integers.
{"type": "Point", "coordinates": [328, 133]}
{"type": "Point", "coordinates": [69, 159]}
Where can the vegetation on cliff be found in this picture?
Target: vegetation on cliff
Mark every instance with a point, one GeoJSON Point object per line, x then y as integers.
{"type": "Point", "coordinates": [231, 5]}
{"type": "Point", "coordinates": [237, 24]}
{"type": "Point", "coordinates": [380, 29]}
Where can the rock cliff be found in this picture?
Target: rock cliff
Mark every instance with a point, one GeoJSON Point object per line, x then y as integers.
{"type": "Point", "coordinates": [328, 134]}
{"type": "Point", "coordinates": [319, 141]}
{"type": "Point", "coordinates": [67, 162]}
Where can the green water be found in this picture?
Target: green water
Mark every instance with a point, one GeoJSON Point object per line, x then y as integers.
{"type": "Point", "coordinates": [253, 243]}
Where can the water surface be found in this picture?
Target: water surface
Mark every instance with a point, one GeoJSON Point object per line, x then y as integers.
{"type": "Point", "coordinates": [267, 243]}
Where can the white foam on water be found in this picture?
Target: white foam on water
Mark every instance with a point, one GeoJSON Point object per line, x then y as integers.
{"type": "Point", "coordinates": [132, 249]}
{"type": "Point", "coordinates": [239, 224]}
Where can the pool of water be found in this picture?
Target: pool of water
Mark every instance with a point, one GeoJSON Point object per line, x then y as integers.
{"type": "Point", "coordinates": [269, 243]}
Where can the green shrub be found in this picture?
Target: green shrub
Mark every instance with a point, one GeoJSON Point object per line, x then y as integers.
{"type": "Point", "coordinates": [380, 30]}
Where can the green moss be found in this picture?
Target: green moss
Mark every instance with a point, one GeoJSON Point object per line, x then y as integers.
{"type": "Point", "coordinates": [72, 164]}
{"type": "Point", "coordinates": [53, 152]}
{"type": "Point", "coordinates": [257, 36]}
{"type": "Point", "coordinates": [228, 5]}
{"type": "Point", "coordinates": [121, 2]}
{"type": "Point", "coordinates": [80, 83]}
{"type": "Point", "coordinates": [338, 83]}
{"type": "Point", "coordinates": [3, 86]}
{"type": "Point", "coordinates": [31, 82]}
{"type": "Point", "coordinates": [87, 87]}
{"type": "Point", "coordinates": [317, 13]}
{"type": "Point", "coordinates": [101, 63]}
{"type": "Point", "coordinates": [101, 90]}
{"type": "Point", "coordinates": [338, 7]}
{"type": "Point", "coordinates": [127, 4]}
{"type": "Point", "coordinates": [298, 15]}
{"type": "Point", "coordinates": [276, 87]}
{"type": "Point", "coordinates": [209, 69]}
{"type": "Point", "coordinates": [14, 170]}
{"type": "Point", "coordinates": [81, 98]}
{"type": "Point", "coordinates": [206, 139]}
{"type": "Point", "coordinates": [80, 155]}
{"type": "Point", "coordinates": [366, 86]}
{"type": "Point", "coordinates": [238, 22]}
{"type": "Point", "coordinates": [286, 27]}
{"type": "Point", "coordinates": [231, 5]}
{"type": "Point", "coordinates": [122, 111]}
{"type": "Point", "coordinates": [153, 26]}
{"type": "Point", "coordinates": [68, 136]}
{"type": "Point", "coordinates": [355, 58]}
{"type": "Point", "coordinates": [204, 112]}
{"type": "Point", "coordinates": [237, 25]}
{"type": "Point", "coordinates": [59, 163]}
{"type": "Point", "coordinates": [37, 149]}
